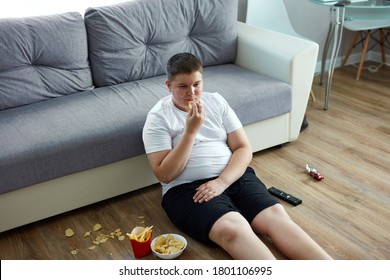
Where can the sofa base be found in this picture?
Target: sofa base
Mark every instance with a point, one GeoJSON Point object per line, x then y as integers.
{"type": "Point", "coordinates": [70, 192]}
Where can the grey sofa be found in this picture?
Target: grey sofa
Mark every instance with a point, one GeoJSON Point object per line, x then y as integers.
{"type": "Point", "coordinates": [75, 92]}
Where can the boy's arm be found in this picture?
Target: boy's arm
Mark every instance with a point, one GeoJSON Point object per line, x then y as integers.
{"type": "Point", "coordinates": [168, 165]}
{"type": "Point", "coordinates": [239, 161]}
{"type": "Point", "coordinates": [241, 156]}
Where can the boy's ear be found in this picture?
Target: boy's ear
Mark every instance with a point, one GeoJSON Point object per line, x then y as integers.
{"type": "Point", "coordinates": [168, 84]}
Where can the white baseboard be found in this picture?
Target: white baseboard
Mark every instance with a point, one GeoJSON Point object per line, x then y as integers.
{"type": "Point", "coordinates": [372, 56]}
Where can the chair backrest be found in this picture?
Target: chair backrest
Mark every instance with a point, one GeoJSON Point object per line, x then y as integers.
{"type": "Point", "coordinates": [271, 14]}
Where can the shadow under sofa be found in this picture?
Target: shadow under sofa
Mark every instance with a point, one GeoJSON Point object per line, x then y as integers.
{"type": "Point", "coordinates": [64, 152]}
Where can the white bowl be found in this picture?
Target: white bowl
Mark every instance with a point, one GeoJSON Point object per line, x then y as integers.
{"type": "Point", "coordinates": [173, 255]}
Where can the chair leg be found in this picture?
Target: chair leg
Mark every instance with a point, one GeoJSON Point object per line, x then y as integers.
{"type": "Point", "coordinates": [363, 56]}
{"type": "Point", "coordinates": [312, 95]}
{"type": "Point", "coordinates": [350, 49]}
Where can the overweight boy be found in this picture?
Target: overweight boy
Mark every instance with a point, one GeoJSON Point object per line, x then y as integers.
{"type": "Point", "coordinates": [198, 150]}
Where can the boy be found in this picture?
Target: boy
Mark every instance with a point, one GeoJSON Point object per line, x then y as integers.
{"type": "Point", "coordinates": [199, 152]}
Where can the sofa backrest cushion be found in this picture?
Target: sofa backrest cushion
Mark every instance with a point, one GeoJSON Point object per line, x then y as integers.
{"type": "Point", "coordinates": [42, 57]}
{"type": "Point", "coordinates": [134, 40]}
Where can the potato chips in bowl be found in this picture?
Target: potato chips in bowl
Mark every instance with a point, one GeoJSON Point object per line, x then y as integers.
{"type": "Point", "coordinates": [168, 246]}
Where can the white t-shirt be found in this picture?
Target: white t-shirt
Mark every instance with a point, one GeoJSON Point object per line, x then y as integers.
{"type": "Point", "coordinates": [210, 154]}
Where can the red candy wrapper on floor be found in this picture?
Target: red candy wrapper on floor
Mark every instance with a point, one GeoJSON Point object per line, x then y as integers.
{"type": "Point", "coordinates": [314, 173]}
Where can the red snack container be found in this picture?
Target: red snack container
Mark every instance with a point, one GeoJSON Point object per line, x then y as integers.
{"type": "Point", "coordinates": [140, 249]}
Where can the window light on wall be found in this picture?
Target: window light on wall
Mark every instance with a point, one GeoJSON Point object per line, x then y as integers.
{"type": "Point", "coordinates": [25, 8]}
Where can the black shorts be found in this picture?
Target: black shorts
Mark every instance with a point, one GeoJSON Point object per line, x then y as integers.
{"type": "Point", "coordinates": [248, 196]}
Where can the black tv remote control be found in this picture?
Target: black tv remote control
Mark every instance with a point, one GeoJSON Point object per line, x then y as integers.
{"type": "Point", "coordinates": [285, 196]}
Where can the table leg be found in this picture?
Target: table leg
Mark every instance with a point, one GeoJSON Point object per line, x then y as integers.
{"type": "Point", "coordinates": [329, 38]}
{"type": "Point", "coordinates": [338, 13]}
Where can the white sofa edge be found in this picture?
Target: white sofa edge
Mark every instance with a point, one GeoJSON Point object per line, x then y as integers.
{"type": "Point", "coordinates": [283, 57]}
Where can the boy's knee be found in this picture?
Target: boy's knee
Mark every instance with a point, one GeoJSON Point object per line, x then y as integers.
{"type": "Point", "coordinates": [275, 211]}
{"type": "Point", "coordinates": [228, 229]}
{"type": "Point", "coordinates": [269, 217]}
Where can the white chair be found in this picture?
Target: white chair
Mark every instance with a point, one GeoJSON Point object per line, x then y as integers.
{"type": "Point", "coordinates": [365, 29]}
{"type": "Point", "coordinates": [271, 14]}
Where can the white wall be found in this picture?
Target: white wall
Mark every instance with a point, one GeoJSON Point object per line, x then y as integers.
{"type": "Point", "coordinates": [23, 8]}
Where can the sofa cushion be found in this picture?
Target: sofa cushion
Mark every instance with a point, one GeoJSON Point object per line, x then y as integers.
{"type": "Point", "coordinates": [134, 40]}
{"type": "Point", "coordinates": [252, 96]}
{"type": "Point", "coordinates": [42, 57]}
{"type": "Point", "coordinates": [81, 131]}
{"type": "Point", "coordinates": [73, 133]}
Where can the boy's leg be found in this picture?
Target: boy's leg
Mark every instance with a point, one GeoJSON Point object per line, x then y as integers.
{"type": "Point", "coordinates": [234, 234]}
{"type": "Point", "coordinates": [287, 236]}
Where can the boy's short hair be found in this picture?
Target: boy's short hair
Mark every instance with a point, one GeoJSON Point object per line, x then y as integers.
{"type": "Point", "coordinates": [183, 63]}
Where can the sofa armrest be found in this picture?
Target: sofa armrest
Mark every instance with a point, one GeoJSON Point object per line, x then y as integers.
{"type": "Point", "coordinates": [282, 57]}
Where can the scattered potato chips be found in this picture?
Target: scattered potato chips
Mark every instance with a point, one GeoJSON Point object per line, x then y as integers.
{"type": "Point", "coordinates": [168, 244]}
{"type": "Point", "coordinates": [69, 232]}
{"type": "Point", "coordinates": [97, 227]}
{"type": "Point", "coordinates": [98, 239]}
{"type": "Point", "coordinates": [101, 238]}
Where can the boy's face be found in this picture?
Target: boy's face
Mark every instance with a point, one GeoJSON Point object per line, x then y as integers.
{"type": "Point", "coordinates": [186, 88]}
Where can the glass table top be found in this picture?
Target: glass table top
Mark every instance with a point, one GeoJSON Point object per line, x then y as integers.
{"type": "Point", "coordinates": [357, 4]}
{"type": "Point", "coordinates": [361, 9]}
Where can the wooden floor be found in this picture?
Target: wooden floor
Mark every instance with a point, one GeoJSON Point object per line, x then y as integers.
{"type": "Point", "coordinates": [348, 213]}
